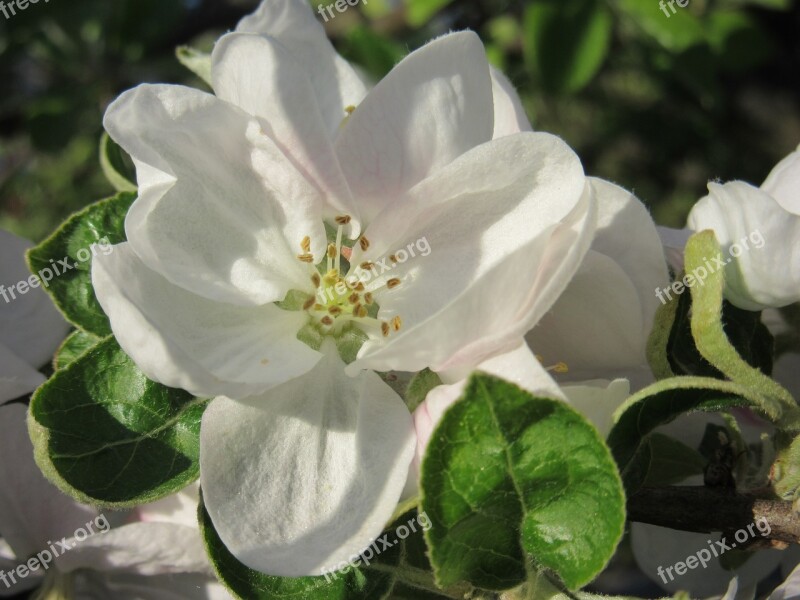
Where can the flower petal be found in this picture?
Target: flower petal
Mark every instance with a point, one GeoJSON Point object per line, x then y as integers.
{"type": "Point", "coordinates": [261, 77]}
{"type": "Point", "coordinates": [293, 24]}
{"type": "Point", "coordinates": [767, 273]}
{"type": "Point", "coordinates": [783, 183]}
{"type": "Point", "coordinates": [509, 114]}
{"type": "Point", "coordinates": [430, 109]}
{"type": "Point", "coordinates": [317, 465]}
{"type": "Point", "coordinates": [492, 219]}
{"type": "Point", "coordinates": [33, 512]}
{"type": "Point", "coordinates": [597, 400]}
{"type": "Point", "coordinates": [600, 324]}
{"type": "Point", "coordinates": [205, 218]}
{"type": "Point", "coordinates": [186, 341]}
{"type": "Point", "coordinates": [674, 242]}
{"type": "Point", "coordinates": [30, 325]}
{"type": "Point", "coordinates": [17, 378]}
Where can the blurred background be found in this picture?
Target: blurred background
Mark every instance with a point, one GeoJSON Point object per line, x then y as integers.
{"type": "Point", "coordinates": [659, 102]}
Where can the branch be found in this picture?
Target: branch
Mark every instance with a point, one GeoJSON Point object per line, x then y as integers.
{"type": "Point", "coordinates": [704, 509]}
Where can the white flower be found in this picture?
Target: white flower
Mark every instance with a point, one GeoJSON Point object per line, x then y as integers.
{"type": "Point", "coordinates": [765, 224]}
{"type": "Point", "coordinates": [30, 326]}
{"type": "Point", "coordinates": [160, 559]}
{"type": "Point", "coordinates": [303, 460]}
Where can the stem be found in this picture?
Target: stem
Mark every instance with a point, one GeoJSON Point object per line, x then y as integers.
{"type": "Point", "coordinates": [703, 510]}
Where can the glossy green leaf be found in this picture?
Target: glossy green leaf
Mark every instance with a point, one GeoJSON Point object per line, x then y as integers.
{"type": "Point", "coordinates": [245, 583]}
{"type": "Point", "coordinates": [106, 435]}
{"type": "Point", "coordinates": [117, 166]}
{"type": "Point", "coordinates": [73, 347]}
{"type": "Point", "coordinates": [64, 260]}
{"type": "Point", "coordinates": [509, 477]}
{"type": "Point", "coordinates": [567, 42]}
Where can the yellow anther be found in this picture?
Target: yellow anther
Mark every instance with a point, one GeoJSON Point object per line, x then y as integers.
{"type": "Point", "coordinates": [306, 258]}
{"type": "Point", "coordinates": [561, 368]}
{"type": "Point", "coordinates": [367, 265]}
{"type": "Point", "coordinates": [393, 283]}
{"type": "Point", "coordinates": [397, 323]}
{"type": "Point", "coordinates": [305, 245]}
{"type": "Point", "coordinates": [335, 310]}
{"type": "Point", "coordinates": [326, 320]}
{"type": "Point", "coordinates": [368, 298]}
{"type": "Point", "coordinates": [342, 219]}
{"type": "Point", "coordinates": [354, 298]}
{"type": "Point", "coordinates": [349, 109]}
{"type": "Point", "coordinates": [362, 311]}
{"type": "Point", "coordinates": [364, 243]}
{"type": "Point", "coordinates": [331, 251]}
{"type": "Point", "coordinates": [385, 328]}
{"type": "Point", "coordinates": [393, 258]}
{"type": "Point", "coordinates": [309, 303]}
{"type": "Point", "coordinates": [316, 280]}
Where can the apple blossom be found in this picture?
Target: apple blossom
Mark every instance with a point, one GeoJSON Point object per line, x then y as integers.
{"type": "Point", "coordinates": [759, 277]}
{"type": "Point", "coordinates": [229, 286]}
{"type": "Point", "coordinates": [30, 326]}
{"type": "Point", "coordinates": [160, 559]}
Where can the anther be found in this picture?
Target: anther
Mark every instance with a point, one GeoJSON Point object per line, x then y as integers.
{"type": "Point", "coordinates": [385, 329]}
{"type": "Point", "coordinates": [316, 280]}
{"type": "Point", "coordinates": [306, 258]}
{"type": "Point", "coordinates": [309, 303]}
{"type": "Point", "coordinates": [368, 299]}
{"type": "Point", "coordinates": [397, 323]}
{"type": "Point", "coordinates": [335, 310]}
{"type": "Point", "coordinates": [305, 245]}
{"type": "Point", "coordinates": [393, 258]}
{"type": "Point", "coordinates": [342, 219]}
{"type": "Point", "coordinates": [354, 298]}
{"type": "Point", "coordinates": [331, 251]}
{"type": "Point", "coordinates": [326, 320]}
{"type": "Point", "coordinates": [393, 283]}
{"type": "Point", "coordinates": [364, 243]}
{"type": "Point", "coordinates": [367, 265]}
{"type": "Point", "coordinates": [349, 109]}
{"type": "Point", "coordinates": [362, 311]}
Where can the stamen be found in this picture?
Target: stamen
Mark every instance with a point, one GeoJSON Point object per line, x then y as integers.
{"type": "Point", "coordinates": [397, 323]}
{"type": "Point", "coordinates": [349, 109]}
{"type": "Point", "coordinates": [306, 258]}
{"type": "Point", "coordinates": [305, 245]}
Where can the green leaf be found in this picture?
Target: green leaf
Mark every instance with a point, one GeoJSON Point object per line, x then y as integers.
{"type": "Point", "coordinates": [85, 234]}
{"type": "Point", "coordinates": [707, 326]}
{"type": "Point", "coordinates": [73, 347]}
{"type": "Point", "coordinates": [785, 472]}
{"type": "Point", "coordinates": [196, 61]}
{"type": "Point", "coordinates": [419, 12]}
{"type": "Point", "coordinates": [117, 165]}
{"type": "Point", "coordinates": [243, 582]}
{"type": "Point", "coordinates": [675, 32]}
{"type": "Point", "coordinates": [738, 41]}
{"type": "Point", "coordinates": [508, 476]}
{"type": "Point", "coordinates": [567, 42]}
{"type": "Point", "coordinates": [106, 435]}
{"type": "Point", "coordinates": [663, 401]}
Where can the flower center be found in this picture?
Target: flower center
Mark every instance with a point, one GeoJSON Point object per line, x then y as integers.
{"type": "Point", "coordinates": [345, 297]}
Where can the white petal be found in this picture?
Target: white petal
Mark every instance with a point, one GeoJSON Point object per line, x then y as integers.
{"type": "Point", "coordinates": [30, 325]}
{"type": "Point", "coordinates": [674, 242]}
{"type": "Point", "coordinates": [141, 548]}
{"type": "Point", "coordinates": [292, 23]}
{"type": "Point", "coordinates": [307, 475]}
{"type": "Point", "coordinates": [499, 255]}
{"type": "Point", "coordinates": [179, 508]}
{"type": "Point", "coordinates": [597, 400]}
{"type": "Point", "coordinates": [783, 183]}
{"type": "Point", "coordinates": [33, 512]}
{"type": "Point", "coordinates": [600, 324]}
{"type": "Point", "coordinates": [186, 341]}
{"type": "Point", "coordinates": [509, 114]}
{"type": "Point", "coordinates": [430, 109]}
{"type": "Point", "coordinates": [767, 271]}
{"type": "Point", "coordinates": [264, 79]}
{"type": "Point", "coordinates": [17, 378]}
{"type": "Point", "coordinates": [125, 586]}
{"type": "Point", "coordinates": [789, 589]}
{"type": "Point", "coordinates": [205, 218]}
